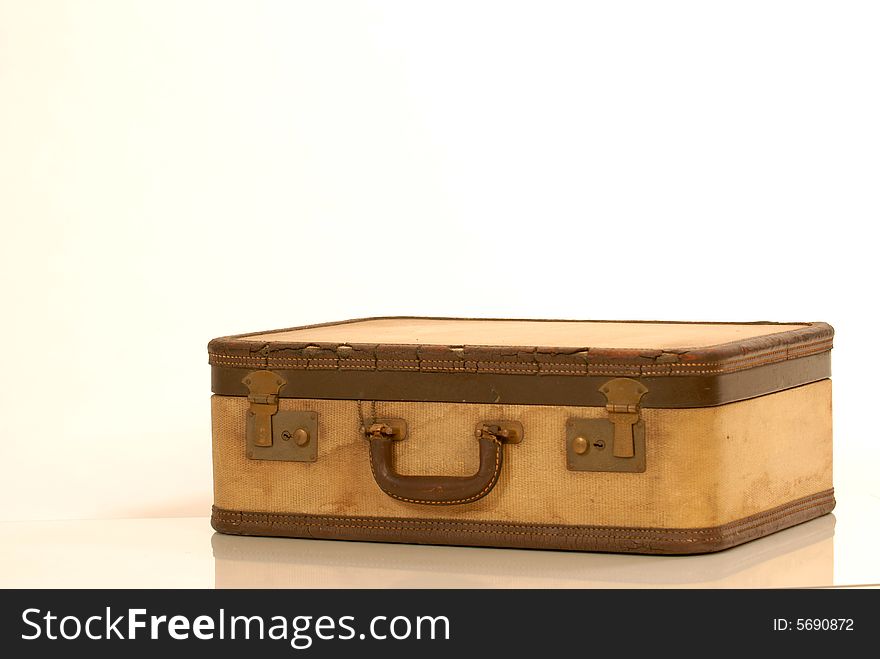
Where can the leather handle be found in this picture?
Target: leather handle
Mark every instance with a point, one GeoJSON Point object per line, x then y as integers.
{"type": "Point", "coordinates": [436, 490]}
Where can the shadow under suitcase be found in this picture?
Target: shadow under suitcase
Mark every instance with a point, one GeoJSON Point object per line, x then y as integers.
{"type": "Point", "coordinates": [799, 556]}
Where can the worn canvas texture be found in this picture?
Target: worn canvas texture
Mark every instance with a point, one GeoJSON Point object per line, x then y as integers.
{"type": "Point", "coordinates": [706, 467]}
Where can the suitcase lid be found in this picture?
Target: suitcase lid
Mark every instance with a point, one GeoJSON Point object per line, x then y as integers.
{"type": "Point", "coordinates": [535, 362]}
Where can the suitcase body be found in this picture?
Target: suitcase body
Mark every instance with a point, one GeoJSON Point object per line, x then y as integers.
{"type": "Point", "coordinates": [645, 437]}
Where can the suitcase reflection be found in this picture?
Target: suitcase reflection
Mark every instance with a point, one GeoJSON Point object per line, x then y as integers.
{"type": "Point", "coordinates": [800, 556]}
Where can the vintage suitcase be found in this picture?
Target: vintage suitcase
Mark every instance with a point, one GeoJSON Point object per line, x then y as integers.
{"type": "Point", "coordinates": [650, 437]}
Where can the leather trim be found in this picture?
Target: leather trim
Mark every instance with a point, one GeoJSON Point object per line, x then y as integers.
{"type": "Point", "coordinates": [676, 378]}
{"type": "Point", "coordinates": [514, 389]}
{"type": "Point", "coordinates": [527, 536]}
{"type": "Point", "coordinates": [239, 352]}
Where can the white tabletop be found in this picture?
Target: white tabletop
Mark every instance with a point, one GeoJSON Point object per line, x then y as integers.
{"type": "Point", "coordinates": [835, 550]}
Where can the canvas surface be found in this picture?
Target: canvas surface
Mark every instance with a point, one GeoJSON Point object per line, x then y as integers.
{"type": "Point", "coordinates": [705, 467]}
{"type": "Point", "coordinates": [527, 333]}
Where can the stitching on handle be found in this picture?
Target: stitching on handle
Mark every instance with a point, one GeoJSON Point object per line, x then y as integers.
{"type": "Point", "coordinates": [479, 495]}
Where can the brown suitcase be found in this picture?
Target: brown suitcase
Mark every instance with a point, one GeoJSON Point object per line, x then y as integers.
{"type": "Point", "coordinates": [650, 437]}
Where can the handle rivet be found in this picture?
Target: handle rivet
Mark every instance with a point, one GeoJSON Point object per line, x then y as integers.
{"type": "Point", "coordinates": [580, 445]}
{"type": "Point", "coordinates": [286, 435]}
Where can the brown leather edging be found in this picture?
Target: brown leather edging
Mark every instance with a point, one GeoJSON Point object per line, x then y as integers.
{"type": "Point", "coordinates": [528, 536]}
{"type": "Point", "coordinates": [679, 378]}
{"type": "Point", "coordinates": [461, 387]}
{"type": "Point", "coordinates": [273, 361]}
{"type": "Point", "coordinates": [240, 351]}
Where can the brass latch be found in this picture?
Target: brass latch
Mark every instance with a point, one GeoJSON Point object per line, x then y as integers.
{"type": "Point", "coordinates": [624, 396]}
{"type": "Point", "coordinates": [263, 388]}
{"type": "Point", "coordinates": [289, 436]}
{"type": "Point", "coordinates": [615, 443]}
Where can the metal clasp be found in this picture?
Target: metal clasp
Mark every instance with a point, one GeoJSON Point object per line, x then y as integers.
{"type": "Point", "coordinates": [616, 443]}
{"type": "Point", "coordinates": [290, 436]}
{"type": "Point", "coordinates": [263, 388]}
{"type": "Point", "coordinates": [623, 396]}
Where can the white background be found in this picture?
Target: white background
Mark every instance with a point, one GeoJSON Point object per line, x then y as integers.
{"type": "Point", "coordinates": [175, 171]}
